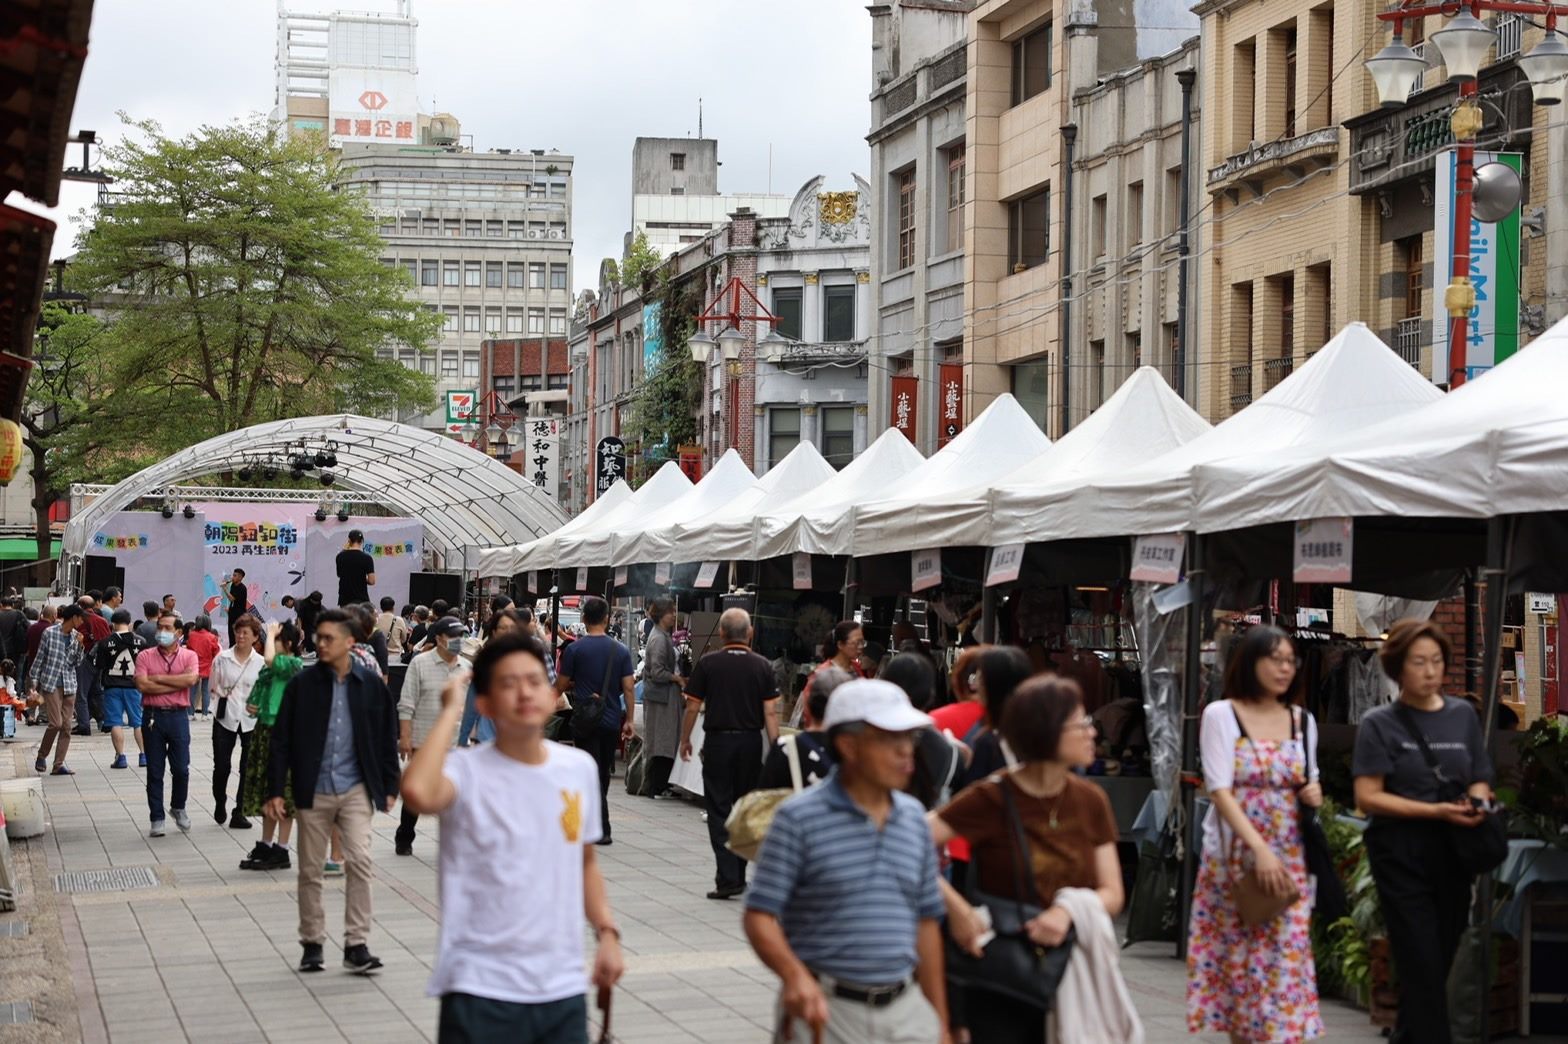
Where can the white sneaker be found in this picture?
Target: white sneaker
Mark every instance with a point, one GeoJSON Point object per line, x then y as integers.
{"type": "Point", "coordinates": [157, 828]}
{"type": "Point", "coordinates": [182, 820]}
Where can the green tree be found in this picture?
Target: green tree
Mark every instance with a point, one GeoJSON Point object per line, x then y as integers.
{"type": "Point", "coordinates": [641, 260]}
{"type": "Point", "coordinates": [242, 286]}
{"type": "Point", "coordinates": [663, 414]}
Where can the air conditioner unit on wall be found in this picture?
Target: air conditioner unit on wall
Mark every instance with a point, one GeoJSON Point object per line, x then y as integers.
{"type": "Point", "coordinates": [533, 233]}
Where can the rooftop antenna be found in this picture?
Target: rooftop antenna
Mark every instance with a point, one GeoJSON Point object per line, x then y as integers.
{"type": "Point", "coordinates": [699, 117]}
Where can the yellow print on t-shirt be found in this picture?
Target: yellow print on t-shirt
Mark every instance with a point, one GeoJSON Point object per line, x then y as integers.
{"type": "Point", "coordinates": [571, 815]}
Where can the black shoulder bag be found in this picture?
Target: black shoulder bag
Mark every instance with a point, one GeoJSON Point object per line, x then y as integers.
{"type": "Point", "coordinates": [1012, 964]}
{"type": "Point", "coordinates": [588, 711]}
{"type": "Point", "coordinates": [1479, 849]}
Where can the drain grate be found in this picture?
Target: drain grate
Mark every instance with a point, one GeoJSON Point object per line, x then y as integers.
{"type": "Point", "coordinates": [14, 1012]}
{"type": "Point", "coordinates": [119, 879]}
{"type": "Point", "coordinates": [13, 929]}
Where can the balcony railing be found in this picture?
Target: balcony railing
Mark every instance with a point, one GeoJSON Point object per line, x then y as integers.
{"type": "Point", "coordinates": [1240, 386]}
{"type": "Point", "coordinates": [1409, 339]}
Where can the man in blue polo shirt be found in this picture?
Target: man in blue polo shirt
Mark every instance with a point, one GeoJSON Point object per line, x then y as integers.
{"type": "Point", "coordinates": [844, 905]}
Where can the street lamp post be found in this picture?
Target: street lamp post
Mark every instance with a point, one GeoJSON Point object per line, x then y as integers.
{"type": "Point", "coordinates": [1463, 42]}
{"type": "Point", "coordinates": [729, 308]}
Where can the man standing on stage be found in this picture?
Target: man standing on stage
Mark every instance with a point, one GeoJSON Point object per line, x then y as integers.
{"type": "Point", "coordinates": [739, 695]}
{"type": "Point", "coordinates": [239, 599]}
{"type": "Point", "coordinates": [356, 571]}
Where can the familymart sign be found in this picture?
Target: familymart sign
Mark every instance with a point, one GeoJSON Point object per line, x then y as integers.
{"type": "Point", "coordinates": [1492, 334]}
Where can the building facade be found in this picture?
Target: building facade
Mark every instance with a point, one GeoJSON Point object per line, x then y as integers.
{"type": "Point", "coordinates": [675, 193]}
{"type": "Point", "coordinates": [918, 179]}
{"type": "Point", "coordinates": [607, 366]}
{"type": "Point", "coordinates": [486, 240]}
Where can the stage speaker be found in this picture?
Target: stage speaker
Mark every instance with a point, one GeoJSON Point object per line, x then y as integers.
{"type": "Point", "coordinates": [101, 573]}
{"type": "Point", "coordinates": [425, 588]}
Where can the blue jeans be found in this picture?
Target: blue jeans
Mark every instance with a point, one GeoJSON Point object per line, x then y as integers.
{"type": "Point", "coordinates": [474, 722]}
{"type": "Point", "coordinates": [167, 731]}
{"type": "Point", "coordinates": [201, 696]}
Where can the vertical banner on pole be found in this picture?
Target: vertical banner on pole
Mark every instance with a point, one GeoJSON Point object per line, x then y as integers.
{"type": "Point", "coordinates": [905, 397]}
{"type": "Point", "coordinates": [950, 403]}
{"type": "Point", "coordinates": [1492, 334]}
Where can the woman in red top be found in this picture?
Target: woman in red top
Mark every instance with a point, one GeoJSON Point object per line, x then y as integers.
{"type": "Point", "coordinates": [202, 641]}
{"type": "Point", "coordinates": [841, 650]}
{"type": "Point", "coordinates": [961, 716]}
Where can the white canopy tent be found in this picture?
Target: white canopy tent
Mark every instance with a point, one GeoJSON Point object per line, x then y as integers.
{"type": "Point", "coordinates": [591, 545]}
{"type": "Point", "coordinates": [507, 561]}
{"type": "Point", "coordinates": [646, 540]}
{"type": "Point", "coordinates": [1495, 446]}
{"type": "Point", "coordinates": [1351, 383]}
{"type": "Point", "coordinates": [934, 506]}
{"type": "Point", "coordinates": [814, 521]}
{"type": "Point", "coordinates": [727, 534]}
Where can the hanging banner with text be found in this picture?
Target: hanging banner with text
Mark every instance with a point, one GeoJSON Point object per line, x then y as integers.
{"type": "Point", "coordinates": [1007, 562]}
{"type": "Point", "coordinates": [1322, 551]}
{"type": "Point", "coordinates": [268, 542]}
{"type": "Point", "coordinates": [542, 454]}
{"type": "Point", "coordinates": [1492, 334]}
{"type": "Point", "coordinates": [905, 397]}
{"type": "Point", "coordinates": [159, 555]}
{"type": "Point", "coordinates": [925, 568]}
{"type": "Point", "coordinates": [950, 409]}
{"type": "Point", "coordinates": [609, 463]}
{"type": "Point", "coordinates": [582, 578]}
{"type": "Point", "coordinates": [620, 576]}
{"type": "Point", "coordinates": [1157, 559]}
{"type": "Point", "coordinates": [800, 570]}
{"type": "Point", "coordinates": [661, 573]}
{"type": "Point", "coordinates": [707, 573]}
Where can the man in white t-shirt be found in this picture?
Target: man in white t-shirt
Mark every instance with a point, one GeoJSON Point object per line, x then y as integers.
{"type": "Point", "coordinates": [522, 809]}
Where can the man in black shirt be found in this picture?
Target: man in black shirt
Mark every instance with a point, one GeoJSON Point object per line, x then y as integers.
{"type": "Point", "coordinates": [239, 600]}
{"type": "Point", "coordinates": [356, 571]}
{"type": "Point", "coordinates": [738, 693]}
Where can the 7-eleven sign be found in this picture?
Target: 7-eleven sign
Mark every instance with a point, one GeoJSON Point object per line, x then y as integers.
{"type": "Point", "coordinates": [460, 406]}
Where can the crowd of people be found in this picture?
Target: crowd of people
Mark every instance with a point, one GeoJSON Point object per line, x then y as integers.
{"type": "Point", "coordinates": [942, 871]}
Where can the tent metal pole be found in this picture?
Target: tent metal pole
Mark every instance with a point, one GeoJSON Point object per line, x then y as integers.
{"type": "Point", "coordinates": [1499, 545]}
{"type": "Point", "coordinates": [851, 589]}
{"type": "Point", "coordinates": [988, 615]}
{"type": "Point", "coordinates": [1190, 709]}
{"type": "Point", "coordinates": [555, 614]}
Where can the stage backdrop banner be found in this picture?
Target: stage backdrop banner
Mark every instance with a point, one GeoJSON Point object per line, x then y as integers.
{"type": "Point", "coordinates": [397, 545]}
{"type": "Point", "coordinates": [159, 555]}
{"type": "Point", "coordinates": [265, 540]}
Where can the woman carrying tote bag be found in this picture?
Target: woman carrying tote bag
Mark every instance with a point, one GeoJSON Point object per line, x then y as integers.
{"type": "Point", "coordinates": [1249, 950]}
{"type": "Point", "coordinates": [1423, 775]}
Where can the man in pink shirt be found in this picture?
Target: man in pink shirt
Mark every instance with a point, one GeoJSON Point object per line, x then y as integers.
{"type": "Point", "coordinates": [165, 674]}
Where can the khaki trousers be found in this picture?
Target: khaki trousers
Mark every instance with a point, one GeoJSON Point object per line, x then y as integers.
{"type": "Point", "coordinates": [60, 713]}
{"type": "Point", "coordinates": [908, 1020]}
{"type": "Point", "coordinates": [351, 814]}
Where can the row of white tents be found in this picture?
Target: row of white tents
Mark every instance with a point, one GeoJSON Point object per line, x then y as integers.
{"type": "Point", "coordinates": [1355, 431]}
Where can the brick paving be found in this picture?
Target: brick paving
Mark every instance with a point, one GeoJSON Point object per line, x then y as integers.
{"type": "Point", "coordinates": [209, 953]}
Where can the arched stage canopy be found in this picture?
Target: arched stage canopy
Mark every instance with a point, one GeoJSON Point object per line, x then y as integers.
{"type": "Point", "coordinates": [465, 499]}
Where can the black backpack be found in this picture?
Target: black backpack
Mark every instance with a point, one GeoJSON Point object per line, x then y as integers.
{"type": "Point", "coordinates": [588, 711]}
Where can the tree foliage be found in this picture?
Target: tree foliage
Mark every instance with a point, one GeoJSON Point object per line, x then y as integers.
{"type": "Point", "coordinates": [241, 286]}
{"type": "Point", "coordinates": [641, 260]}
{"type": "Point", "coordinates": [663, 414]}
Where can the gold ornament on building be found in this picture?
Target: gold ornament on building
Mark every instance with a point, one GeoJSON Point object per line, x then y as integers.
{"type": "Point", "coordinates": [837, 208]}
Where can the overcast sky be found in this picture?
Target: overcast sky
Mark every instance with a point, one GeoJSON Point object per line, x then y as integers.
{"type": "Point", "coordinates": [583, 76]}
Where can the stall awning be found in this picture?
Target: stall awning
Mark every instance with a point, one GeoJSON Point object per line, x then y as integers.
{"type": "Point", "coordinates": [25, 549]}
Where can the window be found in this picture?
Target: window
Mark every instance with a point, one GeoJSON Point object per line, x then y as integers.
{"type": "Point", "coordinates": [493, 229]}
{"type": "Point", "coordinates": [536, 276]}
{"type": "Point", "coordinates": [1029, 230]}
{"type": "Point", "coordinates": [429, 273]}
{"type": "Point", "coordinates": [556, 381]}
{"type": "Point", "coordinates": [515, 230]}
{"type": "Point", "coordinates": [427, 363]}
{"type": "Point", "coordinates": [1318, 287]}
{"type": "Point", "coordinates": [838, 434]}
{"type": "Point", "coordinates": [558, 189]}
{"type": "Point", "coordinates": [1134, 217]}
{"type": "Point", "coordinates": [1290, 82]}
{"type": "Point", "coordinates": [409, 359]}
{"type": "Point", "coordinates": [432, 227]}
{"type": "Point", "coordinates": [1415, 276]}
{"type": "Point", "coordinates": [530, 382]}
{"type": "Point", "coordinates": [411, 267]}
{"type": "Point", "coordinates": [470, 320]}
{"type": "Point", "coordinates": [1135, 349]}
{"type": "Point", "coordinates": [677, 161]}
{"type": "Point", "coordinates": [514, 320]}
{"type": "Point", "coordinates": [492, 320]}
{"type": "Point", "coordinates": [503, 386]}
{"type": "Point", "coordinates": [453, 228]}
{"type": "Point", "coordinates": [1243, 84]}
{"type": "Point", "coordinates": [783, 433]}
{"type": "Point", "coordinates": [1287, 316]}
{"type": "Point", "coordinates": [838, 313]}
{"type": "Point", "coordinates": [955, 197]}
{"type": "Point", "coordinates": [557, 230]}
{"type": "Point", "coordinates": [536, 320]}
{"type": "Point", "coordinates": [1173, 201]}
{"type": "Point", "coordinates": [514, 276]}
{"type": "Point", "coordinates": [557, 277]}
{"type": "Point", "coordinates": [493, 274]}
{"type": "Point", "coordinates": [470, 366]}
{"type": "Point", "coordinates": [1031, 386]}
{"type": "Point", "coordinates": [677, 190]}
{"type": "Point", "coordinates": [471, 273]}
{"type": "Point", "coordinates": [557, 321]}
{"type": "Point", "coordinates": [786, 305]}
{"type": "Point", "coordinates": [906, 219]}
{"type": "Point", "coordinates": [474, 229]}
{"type": "Point", "coordinates": [449, 319]}
{"type": "Point", "coordinates": [1031, 64]}
{"type": "Point", "coordinates": [449, 364]}
{"type": "Point", "coordinates": [1097, 227]}
{"type": "Point", "coordinates": [450, 274]}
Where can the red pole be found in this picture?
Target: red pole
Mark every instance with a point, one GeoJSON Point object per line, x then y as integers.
{"type": "Point", "coordinates": [1464, 181]}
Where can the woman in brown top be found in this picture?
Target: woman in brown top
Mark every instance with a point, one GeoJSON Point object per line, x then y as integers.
{"type": "Point", "coordinates": [1069, 825]}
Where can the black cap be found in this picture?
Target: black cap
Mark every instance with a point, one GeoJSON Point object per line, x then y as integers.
{"type": "Point", "coordinates": [448, 627]}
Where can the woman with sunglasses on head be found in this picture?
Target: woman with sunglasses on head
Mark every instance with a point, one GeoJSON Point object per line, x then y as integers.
{"type": "Point", "coordinates": [1255, 982]}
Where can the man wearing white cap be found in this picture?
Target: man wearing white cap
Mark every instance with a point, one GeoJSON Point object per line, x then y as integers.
{"type": "Point", "coordinates": [844, 905]}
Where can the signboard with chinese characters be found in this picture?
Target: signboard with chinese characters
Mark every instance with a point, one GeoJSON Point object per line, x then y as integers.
{"type": "Point", "coordinates": [609, 463]}
{"type": "Point", "coordinates": [707, 573]}
{"type": "Point", "coordinates": [950, 403]}
{"type": "Point", "coordinates": [1157, 559]}
{"type": "Point", "coordinates": [1322, 551]}
{"type": "Point", "coordinates": [690, 458]}
{"type": "Point", "coordinates": [904, 400]}
{"type": "Point", "coordinates": [800, 570]}
{"type": "Point", "coordinates": [460, 406]}
{"type": "Point", "coordinates": [661, 573]}
{"type": "Point", "coordinates": [925, 569]}
{"type": "Point", "coordinates": [620, 576]}
{"type": "Point", "coordinates": [1007, 562]}
{"type": "Point", "coordinates": [582, 578]}
{"type": "Point", "coordinates": [542, 453]}
{"type": "Point", "coordinates": [372, 105]}
{"type": "Point", "coordinates": [1492, 333]}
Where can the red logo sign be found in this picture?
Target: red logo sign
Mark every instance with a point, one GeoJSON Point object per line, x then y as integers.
{"type": "Point", "coordinates": [373, 100]}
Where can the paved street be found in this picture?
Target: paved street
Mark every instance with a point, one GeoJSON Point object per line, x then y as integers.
{"type": "Point", "coordinates": [208, 952]}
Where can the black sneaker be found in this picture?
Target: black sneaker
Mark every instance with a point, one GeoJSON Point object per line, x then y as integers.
{"type": "Point", "coordinates": [278, 860]}
{"type": "Point", "coordinates": [311, 960]}
{"type": "Point", "coordinates": [405, 848]}
{"type": "Point", "coordinates": [238, 821]}
{"type": "Point", "coordinates": [257, 858]}
{"type": "Point", "coordinates": [360, 961]}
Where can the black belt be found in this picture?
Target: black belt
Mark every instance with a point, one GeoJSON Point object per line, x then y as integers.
{"type": "Point", "coordinates": [872, 996]}
{"type": "Point", "coordinates": [728, 732]}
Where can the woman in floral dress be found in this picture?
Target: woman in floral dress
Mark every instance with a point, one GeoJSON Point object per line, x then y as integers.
{"type": "Point", "coordinates": [1256, 983]}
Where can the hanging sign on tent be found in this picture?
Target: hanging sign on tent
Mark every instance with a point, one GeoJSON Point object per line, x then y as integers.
{"type": "Point", "coordinates": [582, 578]}
{"type": "Point", "coordinates": [609, 463]}
{"type": "Point", "coordinates": [950, 404]}
{"type": "Point", "coordinates": [1322, 551]}
{"type": "Point", "coordinates": [707, 573]}
{"type": "Point", "coordinates": [620, 576]}
{"type": "Point", "coordinates": [661, 573]}
{"type": "Point", "coordinates": [906, 391]}
{"type": "Point", "coordinates": [925, 569]}
{"type": "Point", "coordinates": [1007, 562]}
{"type": "Point", "coordinates": [800, 566]}
{"type": "Point", "coordinates": [1157, 559]}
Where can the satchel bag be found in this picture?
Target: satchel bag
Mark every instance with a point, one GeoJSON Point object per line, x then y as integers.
{"type": "Point", "coordinates": [1012, 964]}
{"type": "Point", "coordinates": [1479, 849]}
{"type": "Point", "coordinates": [588, 711]}
{"type": "Point", "coordinates": [752, 815]}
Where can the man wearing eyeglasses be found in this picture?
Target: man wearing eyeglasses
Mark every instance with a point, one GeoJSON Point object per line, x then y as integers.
{"type": "Point", "coordinates": [335, 741]}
